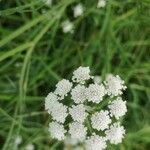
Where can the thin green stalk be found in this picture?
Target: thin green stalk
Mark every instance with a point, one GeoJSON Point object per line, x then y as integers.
{"type": "Point", "coordinates": [14, 51]}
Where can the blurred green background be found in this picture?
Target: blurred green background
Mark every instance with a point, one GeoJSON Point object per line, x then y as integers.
{"type": "Point", "coordinates": [35, 54]}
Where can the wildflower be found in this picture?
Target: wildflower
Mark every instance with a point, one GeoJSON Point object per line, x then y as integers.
{"type": "Point", "coordinates": [50, 101]}
{"type": "Point", "coordinates": [101, 3]}
{"type": "Point", "coordinates": [100, 120]}
{"type": "Point", "coordinates": [78, 10]}
{"type": "Point", "coordinates": [97, 79]}
{"type": "Point", "coordinates": [59, 112]}
{"type": "Point", "coordinates": [57, 131]}
{"type": "Point", "coordinates": [77, 131]}
{"type": "Point", "coordinates": [78, 113]}
{"type": "Point", "coordinates": [81, 74]}
{"type": "Point", "coordinates": [67, 27]}
{"type": "Point", "coordinates": [63, 87]}
{"type": "Point", "coordinates": [18, 140]}
{"type": "Point", "coordinates": [73, 130]}
{"type": "Point", "coordinates": [78, 94]}
{"type": "Point", "coordinates": [118, 108]}
{"type": "Point", "coordinates": [95, 142]}
{"type": "Point", "coordinates": [95, 93]}
{"type": "Point", "coordinates": [115, 134]}
{"type": "Point", "coordinates": [114, 85]}
{"type": "Point", "coordinates": [29, 147]}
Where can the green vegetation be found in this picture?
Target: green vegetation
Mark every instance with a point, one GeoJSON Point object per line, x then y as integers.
{"type": "Point", "coordinates": [35, 54]}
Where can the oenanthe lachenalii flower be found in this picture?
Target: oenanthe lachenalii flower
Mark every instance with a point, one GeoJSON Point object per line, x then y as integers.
{"type": "Point", "coordinates": [87, 112]}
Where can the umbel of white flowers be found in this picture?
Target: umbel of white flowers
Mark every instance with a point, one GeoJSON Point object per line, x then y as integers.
{"type": "Point", "coordinates": [77, 113]}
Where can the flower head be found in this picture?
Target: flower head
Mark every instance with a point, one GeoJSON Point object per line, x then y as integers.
{"type": "Point", "coordinates": [114, 85]}
{"type": "Point", "coordinates": [78, 10]}
{"type": "Point", "coordinates": [95, 93]}
{"type": "Point", "coordinates": [63, 87]}
{"type": "Point", "coordinates": [100, 120]}
{"type": "Point", "coordinates": [95, 142]}
{"type": "Point", "coordinates": [78, 113]}
{"type": "Point", "coordinates": [77, 131]}
{"type": "Point", "coordinates": [67, 27]}
{"type": "Point", "coordinates": [78, 94]}
{"type": "Point", "coordinates": [115, 134]}
{"type": "Point", "coordinates": [118, 108]}
{"type": "Point", "coordinates": [81, 74]}
{"type": "Point", "coordinates": [101, 3]}
{"type": "Point", "coordinates": [59, 112]}
{"type": "Point", "coordinates": [50, 101]}
{"type": "Point", "coordinates": [57, 131]}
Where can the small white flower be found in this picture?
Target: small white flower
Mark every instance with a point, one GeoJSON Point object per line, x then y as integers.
{"type": "Point", "coordinates": [77, 131]}
{"type": "Point", "coordinates": [18, 140]}
{"type": "Point", "coordinates": [101, 3]}
{"type": "Point", "coordinates": [100, 120]}
{"type": "Point", "coordinates": [57, 130]}
{"type": "Point", "coordinates": [67, 27]}
{"type": "Point", "coordinates": [97, 79]}
{"type": "Point", "coordinates": [59, 112]}
{"type": "Point", "coordinates": [63, 87]}
{"type": "Point", "coordinates": [78, 94]}
{"type": "Point", "coordinates": [115, 134]}
{"type": "Point", "coordinates": [78, 10]}
{"type": "Point", "coordinates": [114, 85]}
{"type": "Point", "coordinates": [78, 113]}
{"type": "Point", "coordinates": [50, 101]}
{"type": "Point", "coordinates": [95, 142]}
{"type": "Point", "coordinates": [118, 108]}
{"type": "Point", "coordinates": [95, 93]}
{"type": "Point", "coordinates": [48, 2]}
{"type": "Point", "coordinates": [29, 147]}
{"type": "Point", "coordinates": [81, 74]}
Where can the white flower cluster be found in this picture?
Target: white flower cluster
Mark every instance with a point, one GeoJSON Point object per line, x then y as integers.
{"type": "Point", "coordinates": [101, 3]}
{"type": "Point", "coordinates": [100, 120]}
{"type": "Point", "coordinates": [78, 10]}
{"type": "Point", "coordinates": [85, 111]}
{"type": "Point", "coordinates": [95, 93]}
{"type": "Point", "coordinates": [114, 85]}
{"type": "Point", "coordinates": [67, 26]}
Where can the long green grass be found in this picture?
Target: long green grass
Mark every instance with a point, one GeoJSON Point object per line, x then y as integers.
{"type": "Point", "coordinates": [35, 54]}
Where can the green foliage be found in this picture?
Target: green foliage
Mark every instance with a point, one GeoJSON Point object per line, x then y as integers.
{"type": "Point", "coordinates": [35, 54]}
